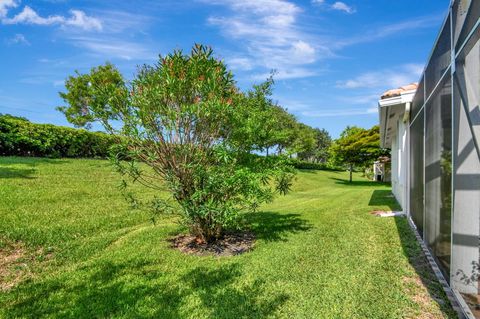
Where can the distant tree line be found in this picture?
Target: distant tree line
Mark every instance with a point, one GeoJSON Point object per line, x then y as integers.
{"type": "Point", "coordinates": [279, 133]}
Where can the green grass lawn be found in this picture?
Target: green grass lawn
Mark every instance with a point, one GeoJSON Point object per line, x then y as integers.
{"type": "Point", "coordinates": [83, 253]}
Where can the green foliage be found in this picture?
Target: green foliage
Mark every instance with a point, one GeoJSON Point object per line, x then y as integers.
{"type": "Point", "coordinates": [95, 96]}
{"type": "Point", "coordinates": [185, 118]}
{"type": "Point", "coordinates": [20, 137]}
{"type": "Point", "coordinates": [316, 150]}
{"type": "Point", "coordinates": [357, 147]}
{"type": "Point", "coordinates": [301, 164]}
{"type": "Point", "coordinates": [268, 127]}
{"type": "Point", "coordinates": [262, 125]}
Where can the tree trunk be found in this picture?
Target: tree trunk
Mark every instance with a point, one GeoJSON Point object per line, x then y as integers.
{"type": "Point", "coordinates": [267, 151]}
{"type": "Point", "coordinates": [206, 230]}
{"type": "Point", "coordinates": [351, 171]}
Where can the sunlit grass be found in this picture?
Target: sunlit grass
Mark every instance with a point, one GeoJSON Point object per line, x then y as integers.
{"type": "Point", "coordinates": [319, 253]}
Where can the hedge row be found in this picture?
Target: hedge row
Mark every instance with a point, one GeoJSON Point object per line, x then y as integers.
{"type": "Point", "coordinates": [299, 164]}
{"type": "Point", "coordinates": [20, 137]}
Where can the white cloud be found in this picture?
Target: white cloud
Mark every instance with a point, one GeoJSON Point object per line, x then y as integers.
{"type": "Point", "coordinates": [77, 19]}
{"type": "Point", "coordinates": [114, 21]}
{"type": "Point", "coordinates": [81, 20]}
{"type": "Point", "coordinates": [370, 97]}
{"type": "Point", "coordinates": [112, 42]}
{"type": "Point", "coordinates": [113, 48]}
{"type": "Point", "coordinates": [385, 79]}
{"type": "Point", "coordinates": [5, 5]}
{"type": "Point", "coordinates": [260, 7]}
{"type": "Point", "coordinates": [18, 39]}
{"type": "Point", "coordinates": [303, 50]}
{"type": "Point", "coordinates": [390, 30]}
{"type": "Point", "coordinates": [338, 5]}
{"type": "Point", "coordinates": [240, 63]}
{"type": "Point", "coordinates": [293, 105]}
{"type": "Point", "coordinates": [285, 74]}
{"type": "Point", "coordinates": [29, 16]}
{"type": "Point", "coordinates": [270, 35]}
{"type": "Point", "coordinates": [340, 112]}
{"type": "Point", "coordinates": [342, 6]}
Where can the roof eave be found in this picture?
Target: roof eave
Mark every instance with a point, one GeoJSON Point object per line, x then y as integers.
{"type": "Point", "coordinates": [383, 107]}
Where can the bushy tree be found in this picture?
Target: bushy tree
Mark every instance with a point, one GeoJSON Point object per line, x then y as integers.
{"type": "Point", "coordinates": [269, 127]}
{"type": "Point", "coordinates": [300, 139]}
{"type": "Point", "coordinates": [187, 121]}
{"type": "Point", "coordinates": [318, 150]}
{"type": "Point", "coordinates": [286, 131]}
{"type": "Point", "coordinates": [357, 147]}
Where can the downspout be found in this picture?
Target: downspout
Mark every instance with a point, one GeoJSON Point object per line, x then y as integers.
{"type": "Point", "coordinates": [406, 115]}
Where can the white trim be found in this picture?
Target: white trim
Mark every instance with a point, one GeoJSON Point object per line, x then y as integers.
{"type": "Point", "coordinates": [404, 97]}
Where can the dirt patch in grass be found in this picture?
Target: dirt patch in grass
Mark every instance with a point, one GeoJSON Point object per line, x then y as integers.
{"type": "Point", "coordinates": [12, 268]}
{"type": "Point", "coordinates": [17, 262]}
{"type": "Point", "coordinates": [230, 245]}
{"type": "Point", "coordinates": [426, 292]}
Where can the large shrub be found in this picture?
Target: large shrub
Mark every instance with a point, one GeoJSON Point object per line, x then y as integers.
{"type": "Point", "coordinates": [184, 118]}
{"type": "Point", "coordinates": [20, 137]}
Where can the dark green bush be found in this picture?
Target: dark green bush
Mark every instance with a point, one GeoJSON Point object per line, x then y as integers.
{"type": "Point", "coordinates": [299, 164]}
{"type": "Point", "coordinates": [20, 137]}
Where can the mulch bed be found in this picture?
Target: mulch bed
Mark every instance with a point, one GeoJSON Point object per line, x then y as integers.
{"type": "Point", "coordinates": [230, 245]}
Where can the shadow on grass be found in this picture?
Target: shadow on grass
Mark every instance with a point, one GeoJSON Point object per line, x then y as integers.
{"type": "Point", "coordinates": [412, 250]}
{"type": "Point", "coordinates": [346, 182]}
{"type": "Point", "coordinates": [135, 289]}
{"type": "Point", "coordinates": [24, 167]}
{"type": "Point", "coordinates": [216, 289]}
{"type": "Point", "coordinates": [9, 172]}
{"type": "Point", "coordinates": [31, 161]}
{"type": "Point", "coordinates": [271, 226]}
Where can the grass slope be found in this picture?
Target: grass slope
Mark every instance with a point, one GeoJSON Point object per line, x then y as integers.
{"type": "Point", "coordinates": [319, 254]}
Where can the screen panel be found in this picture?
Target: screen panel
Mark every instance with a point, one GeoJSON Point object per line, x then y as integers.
{"type": "Point", "coordinates": [466, 218]}
{"type": "Point", "coordinates": [465, 14]}
{"type": "Point", "coordinates": [438, 175]}
{"type": "Point", "coordinates": [416, 172]}
{"type": "Point", "coordinates": [418, 99]}
{"type": "Point", "coordinates": [440, 59]}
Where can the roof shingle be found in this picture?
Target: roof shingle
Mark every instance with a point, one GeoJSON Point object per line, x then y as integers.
{"type": "Point", "coordinates": [399, 91]}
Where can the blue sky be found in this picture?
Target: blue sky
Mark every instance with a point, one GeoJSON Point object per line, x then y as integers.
{"type": "Point", "coordinates": [333, 59]}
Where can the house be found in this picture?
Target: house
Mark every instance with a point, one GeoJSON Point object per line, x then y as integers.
{"type": "Point", "coordinates": [433, 131]}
